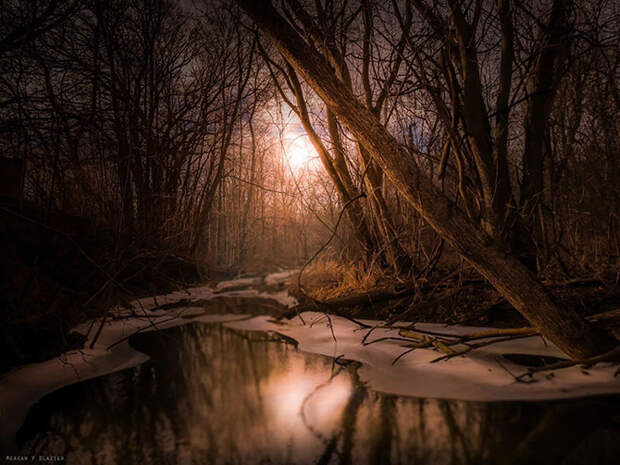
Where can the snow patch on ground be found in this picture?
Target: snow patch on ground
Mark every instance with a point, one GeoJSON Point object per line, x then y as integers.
{"type": "Point", "coordinates": [236, 283]}
{"type": "Point", "coordinates": [196, 294]}
{"type": "Point", "coordinates": [279, 277]}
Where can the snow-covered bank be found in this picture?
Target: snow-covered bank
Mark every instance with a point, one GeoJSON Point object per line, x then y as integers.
{"type": "Point", "coordinates": [230, 288]}
{"type": "Point", "coordinates": [481, 375]}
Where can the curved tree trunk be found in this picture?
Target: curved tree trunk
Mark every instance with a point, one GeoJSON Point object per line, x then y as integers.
{"type": "Point", "coordinates": [565, 328]}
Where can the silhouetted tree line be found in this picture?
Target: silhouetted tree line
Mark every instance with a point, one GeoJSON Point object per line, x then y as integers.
{"type": "Point", "coordinates": [140, 117]}
{"type": "Point", "coordinates": [131, 154]}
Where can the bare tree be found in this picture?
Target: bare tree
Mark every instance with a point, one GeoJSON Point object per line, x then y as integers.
{"type": "Point", "coordinates": [512, 279]}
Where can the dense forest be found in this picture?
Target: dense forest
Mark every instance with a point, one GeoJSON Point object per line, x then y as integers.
{"type": "Point", "coordinates": [427, 144]}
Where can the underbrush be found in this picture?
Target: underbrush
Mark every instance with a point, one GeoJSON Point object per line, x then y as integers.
{"type": "Point", "coordinates": [63, 271]}
{"type": "Point", "coordinates": [329, 279]}
{"type": "Point", "coordinates": [452, 296]}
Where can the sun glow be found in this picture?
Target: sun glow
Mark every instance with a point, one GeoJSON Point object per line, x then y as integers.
{"type": "Point", "coordinates": [299, 152]}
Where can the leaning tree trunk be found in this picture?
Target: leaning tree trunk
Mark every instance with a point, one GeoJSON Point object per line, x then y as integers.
{"type": "Point", "coordinates": [564, 327]}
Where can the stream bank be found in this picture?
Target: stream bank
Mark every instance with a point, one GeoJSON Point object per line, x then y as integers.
{"type": "Point", "coordinates": [216, 395]}
{"type": "Point", "coordinates": [486, 374]}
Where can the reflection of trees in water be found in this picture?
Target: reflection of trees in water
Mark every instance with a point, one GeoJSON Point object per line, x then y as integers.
{"type": "Point", "coordinates": [341, 441]}
{"type": "Point", "coordinates": [148, 413]}
{"type": "Point", "coordinates": [164, 411]}
{"type": "Point", "coordinates": [419, 431]}
{"type": "Point", "coordinates": [456, 432]}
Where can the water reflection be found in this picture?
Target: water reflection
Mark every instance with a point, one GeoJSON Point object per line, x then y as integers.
{"type": "Point", "coordinates": [216, 396]}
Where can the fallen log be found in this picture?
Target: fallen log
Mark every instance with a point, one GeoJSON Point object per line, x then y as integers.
{"type": "Point", "coordinates": [370, 297]}
{"type": "Point", "coordinates": [609, 316]}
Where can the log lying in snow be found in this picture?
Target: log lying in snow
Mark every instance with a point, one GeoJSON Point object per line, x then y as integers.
{"type": "Point", "coordinates": [371, 297]}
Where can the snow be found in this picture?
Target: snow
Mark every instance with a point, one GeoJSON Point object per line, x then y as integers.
{"type": "Point", "coordinates": [236, 283]}
{"type": "Point", "coordinates": [477, 376]}
{"type": "Point", "coordinates": [22, 387]}
{"type": "Point", "coordinates": [282, 297]}
{"type": "Point", "coordinates": [279, 277]}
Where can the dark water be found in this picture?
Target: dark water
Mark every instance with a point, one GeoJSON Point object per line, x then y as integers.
{"type": "Point", "coordinates": [210, 395]}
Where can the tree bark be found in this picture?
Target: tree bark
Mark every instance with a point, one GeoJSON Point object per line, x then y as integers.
{"type": "Point", "coordinates": [564, 327]}
{"type": "Point", "coordinates": [541, 88]}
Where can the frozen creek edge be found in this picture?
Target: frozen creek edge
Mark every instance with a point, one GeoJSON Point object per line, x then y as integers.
{"type": "Point", "coordinates": [475, 377]}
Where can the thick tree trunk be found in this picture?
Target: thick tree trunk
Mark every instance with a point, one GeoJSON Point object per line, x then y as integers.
{"type": "Point", "coordinates": [563, 327]}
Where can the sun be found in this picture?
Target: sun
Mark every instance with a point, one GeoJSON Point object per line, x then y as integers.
{"type": "Point", "coordinates": [299, 152]}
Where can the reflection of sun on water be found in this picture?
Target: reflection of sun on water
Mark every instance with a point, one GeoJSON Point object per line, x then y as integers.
{"type": "Point", "coordinates": [322, 401]}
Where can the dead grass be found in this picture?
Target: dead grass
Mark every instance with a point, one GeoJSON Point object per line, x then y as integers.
{"type": "Point", "coordinates": [330, 279]}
